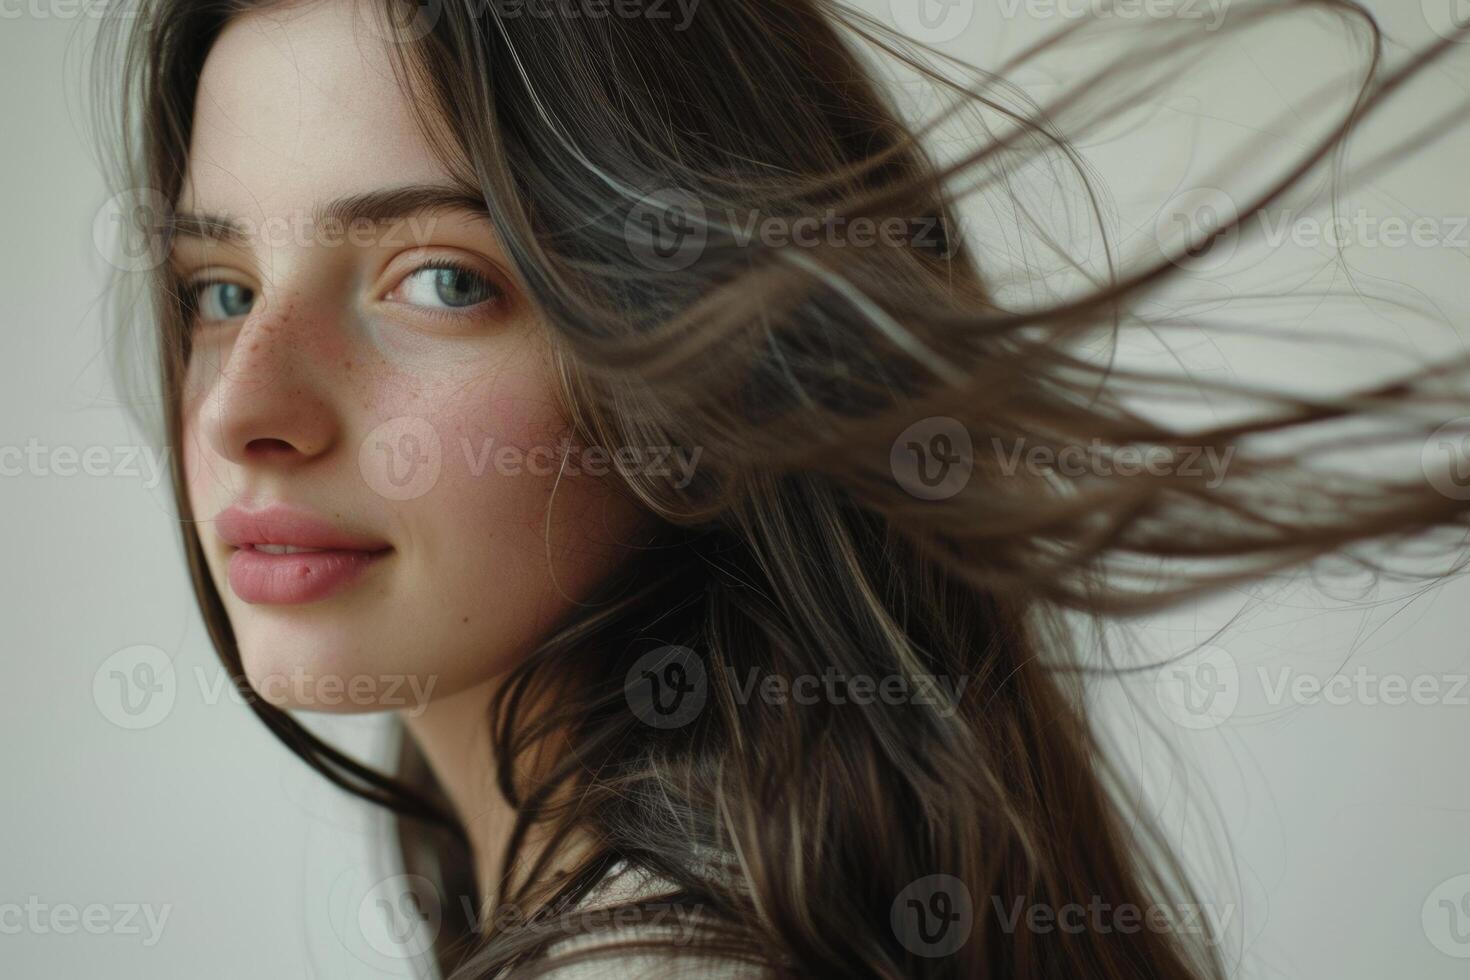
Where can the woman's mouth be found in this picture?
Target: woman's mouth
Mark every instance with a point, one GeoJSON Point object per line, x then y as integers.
{"type": "Point", "coordinates": [290, 575]}
{"type": "Point", "coordinates": [287, 555]}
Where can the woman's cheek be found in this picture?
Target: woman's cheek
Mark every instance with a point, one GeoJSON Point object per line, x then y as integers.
{"type": "Point", "coordinates": [507, 542]}
{"type": "Point", "coordinates": [200, 468]}
{"type": "Point", "coordinates": [205, 493]}
{"type": "Point", "coordinates": [492, 452]}
{"type": "Point", "coordinates": [458, 464]}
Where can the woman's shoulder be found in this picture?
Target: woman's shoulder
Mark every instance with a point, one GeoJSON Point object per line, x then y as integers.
{"type": "Point", "coordinates": [668, 932]}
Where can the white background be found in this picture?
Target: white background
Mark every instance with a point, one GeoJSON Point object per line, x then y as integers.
{"type": "Point", "coordinates": [1342, 818]}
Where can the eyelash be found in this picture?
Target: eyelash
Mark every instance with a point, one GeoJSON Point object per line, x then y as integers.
{"type": "Point", "coordinates": [194, 288]}
{"type": "Point", "coordinates": [189, 295]}
{"type": "Point", "coordinates": [497, 292]}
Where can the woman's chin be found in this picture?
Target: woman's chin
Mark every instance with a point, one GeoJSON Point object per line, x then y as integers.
{"type": "Point", "coordinates": [307, 671]}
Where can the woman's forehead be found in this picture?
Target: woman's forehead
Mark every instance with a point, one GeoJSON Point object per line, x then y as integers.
{"type": "Point", "coordinates": [301, 104]}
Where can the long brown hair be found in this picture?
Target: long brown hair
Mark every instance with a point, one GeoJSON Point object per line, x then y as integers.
{"type": "Point", "coordinates": [832, 392]}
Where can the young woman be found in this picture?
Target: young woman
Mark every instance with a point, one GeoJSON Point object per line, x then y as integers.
{"type": "Point", "coordinates": [622, 385]}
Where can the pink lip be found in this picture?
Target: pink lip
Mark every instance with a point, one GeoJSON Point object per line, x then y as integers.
{"type": "Point", "coordinates": [259, 577]}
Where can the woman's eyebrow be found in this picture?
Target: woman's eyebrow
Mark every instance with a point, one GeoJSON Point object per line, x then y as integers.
{"type": "Point", "coordinates": [374, 207]}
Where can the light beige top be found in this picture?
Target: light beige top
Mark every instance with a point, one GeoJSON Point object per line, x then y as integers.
{"type": "Point", "coordinates": [673, 922]}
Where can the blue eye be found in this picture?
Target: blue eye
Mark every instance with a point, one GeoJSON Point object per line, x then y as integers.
{"type": "Point", "coordinates": [222, 300]}
{"type": "Point", "coordinates": [447, 286]}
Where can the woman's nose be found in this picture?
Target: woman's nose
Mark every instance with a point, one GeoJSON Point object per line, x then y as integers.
{"type": "Point", "coordinates": [269, 400]}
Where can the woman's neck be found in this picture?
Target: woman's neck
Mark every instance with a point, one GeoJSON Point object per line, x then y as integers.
{"type": "Point", "coordinates": [453, 733]}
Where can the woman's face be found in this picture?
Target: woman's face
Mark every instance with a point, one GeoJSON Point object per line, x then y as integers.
{"type": "Point", "coordinates": [377, 387]}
